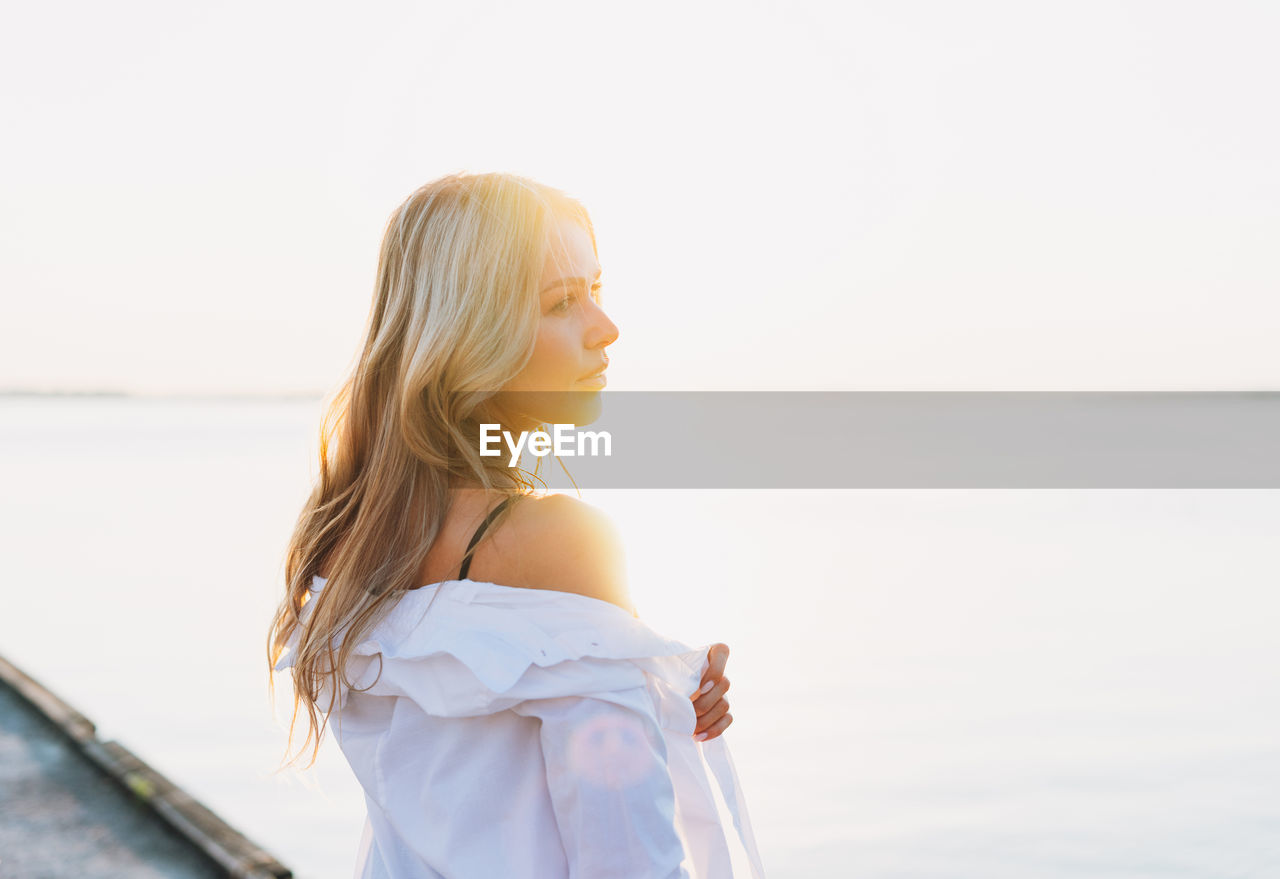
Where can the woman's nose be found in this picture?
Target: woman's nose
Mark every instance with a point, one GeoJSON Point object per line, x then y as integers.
{"type": "Point", "coordinates": [605, 331]}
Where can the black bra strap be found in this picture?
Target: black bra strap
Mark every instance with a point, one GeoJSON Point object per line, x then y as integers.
{"type": "Point", "coordinates": [475, 538]}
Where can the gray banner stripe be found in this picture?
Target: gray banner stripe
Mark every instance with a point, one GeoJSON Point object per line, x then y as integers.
{"type": "Point", "coordinates": [787, 439]}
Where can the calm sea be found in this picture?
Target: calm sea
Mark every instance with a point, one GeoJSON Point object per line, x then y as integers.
{"type": "Point", "coordinates": [932, 684]}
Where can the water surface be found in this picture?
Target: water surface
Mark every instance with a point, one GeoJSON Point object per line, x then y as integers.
{"type": "Point", "coordinates": [934, 684]}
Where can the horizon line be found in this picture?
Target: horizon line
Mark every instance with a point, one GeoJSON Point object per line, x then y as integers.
{"type": "Point", "coordinates": [115, 393]}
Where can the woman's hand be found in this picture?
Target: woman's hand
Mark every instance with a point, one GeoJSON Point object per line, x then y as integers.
{"type": "Point", "coordinates": [709, 702]}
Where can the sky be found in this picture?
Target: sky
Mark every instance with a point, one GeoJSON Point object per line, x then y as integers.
{"type": "Point", "coordinates": [840, 196]}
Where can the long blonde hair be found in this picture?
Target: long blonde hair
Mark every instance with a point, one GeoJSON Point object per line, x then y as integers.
{"type": "Point", "coordinates": [454, 317]}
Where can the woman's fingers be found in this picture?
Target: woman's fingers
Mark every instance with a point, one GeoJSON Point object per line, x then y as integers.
{"type": "Point", "coordinates": [711, 706]}
{"type": "Point", "coordinates": [718, 727]}
{"type": "Point", "coordinates": [717, 656]}
{"type": "Point", "coordinates": [714, 695]}
{"type": "Point", "coordinates": [717, 711]}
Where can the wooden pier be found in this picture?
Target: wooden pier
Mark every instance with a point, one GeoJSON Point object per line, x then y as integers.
{"type": "Point", "coordinates": [72, 805]}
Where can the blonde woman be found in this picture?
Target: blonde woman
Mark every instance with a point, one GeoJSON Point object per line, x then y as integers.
{"type": "Point", "coordinates": [505, 710]}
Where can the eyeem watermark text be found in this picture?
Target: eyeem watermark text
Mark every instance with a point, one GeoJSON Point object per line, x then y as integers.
{"type": "Point", "coordinates": [564, 441]}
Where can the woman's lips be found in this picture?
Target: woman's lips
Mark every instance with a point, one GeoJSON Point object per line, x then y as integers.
{"type": "Point", "coordinates": [599, 371]}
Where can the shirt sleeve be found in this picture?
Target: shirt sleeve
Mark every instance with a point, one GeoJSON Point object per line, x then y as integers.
{"type": "Point", "coordinates": [606, 765]}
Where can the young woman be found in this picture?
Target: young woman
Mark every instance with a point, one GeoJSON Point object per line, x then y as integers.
{"type": "Point", "coordinates": [512, 717]}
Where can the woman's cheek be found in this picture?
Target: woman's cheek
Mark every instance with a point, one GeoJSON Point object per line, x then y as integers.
{"type": "Point", "coordinates": [558, 359]}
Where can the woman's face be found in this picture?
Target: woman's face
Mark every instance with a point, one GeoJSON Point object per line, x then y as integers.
{"type": "Point", "coordinates": [555, 386]}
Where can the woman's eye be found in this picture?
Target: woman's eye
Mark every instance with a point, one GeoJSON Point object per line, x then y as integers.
{"type": "Point", "coordinates": [563, 304]}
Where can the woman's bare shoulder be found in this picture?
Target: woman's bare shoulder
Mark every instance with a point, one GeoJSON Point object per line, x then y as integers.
{"type": "Point", "coordinates": [566, 544]}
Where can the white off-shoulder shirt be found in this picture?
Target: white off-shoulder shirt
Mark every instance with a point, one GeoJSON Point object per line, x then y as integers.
{"type": "Point", "coordinates": [533, 734]}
